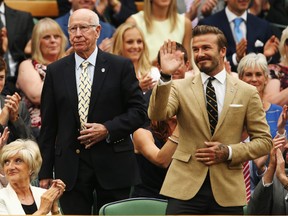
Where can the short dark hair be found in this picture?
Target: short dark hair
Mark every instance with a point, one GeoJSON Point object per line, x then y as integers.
{"type": "Point", "coordinates": [180, 47]}
{"type": "Point", "coordinates": [206, 29]}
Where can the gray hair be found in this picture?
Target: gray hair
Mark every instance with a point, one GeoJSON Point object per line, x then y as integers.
{"type": "Point", "coordinates": [253, 60]}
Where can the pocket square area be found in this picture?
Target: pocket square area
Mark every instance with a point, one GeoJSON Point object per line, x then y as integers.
{"type": "Point", "coordinates": [259, 43]}
{"type": "Point", "coordinates": [236, 105]}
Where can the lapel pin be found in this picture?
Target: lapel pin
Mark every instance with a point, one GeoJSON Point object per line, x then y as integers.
{"type": "Point", "coordinates": [102, 70]}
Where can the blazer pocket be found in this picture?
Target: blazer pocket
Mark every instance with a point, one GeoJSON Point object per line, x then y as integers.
{"type": "Point", "coordinates": [181, 156]}
{"type": "Point", "coordinates": [122, 145]}
{"type": "Point", "coordinates": [236, 109]}
{"type": "Point", "coordinates": [235, 167]}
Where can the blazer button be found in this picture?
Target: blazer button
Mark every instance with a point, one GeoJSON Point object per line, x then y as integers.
{"type": "Point", "coordinates": [77, 151]}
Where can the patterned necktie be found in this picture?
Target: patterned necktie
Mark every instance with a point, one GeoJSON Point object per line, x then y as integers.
{"type": "Point", "coordinates": [237, 30]}
{"type": "Point", "coordinates": [211, 105]}
{"type": "Point", "coordinates": [84, 94]}
{"type": "Point", "coordinates": [246, 173]}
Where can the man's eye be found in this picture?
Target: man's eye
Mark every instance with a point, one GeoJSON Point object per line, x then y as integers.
{"type": "Point", "coordinates": [83, 28]}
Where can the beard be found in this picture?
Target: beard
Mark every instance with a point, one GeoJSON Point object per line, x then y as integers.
{"type": "Point", "coordinates": [208, 66]}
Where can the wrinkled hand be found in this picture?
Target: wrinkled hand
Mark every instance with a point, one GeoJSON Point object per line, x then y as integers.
{"type": "Point", "coordinates": [215, 153]}
{"type": "Point", "coordinates": [93, 134]}
{"type": "Point", "coordinates": [170, 57]}
{"type": "Point", "coordinates": [271, 46]}
{"type": "Point", "coordinates": [241, 49]}
{"type": "Point", "coordinates": [51, 195]}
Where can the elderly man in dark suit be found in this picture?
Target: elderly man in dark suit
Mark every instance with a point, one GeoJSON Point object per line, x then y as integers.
{"type": "Point", "coordinates": [88, 142]}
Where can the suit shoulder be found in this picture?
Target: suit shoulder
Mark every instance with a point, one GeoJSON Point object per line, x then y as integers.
{"type": "Point", "coordinates": [213, 18]}
{"type": "Point", "coordinates": [116, 59]}
{"type": "Point", "coordinates": [18, 12]}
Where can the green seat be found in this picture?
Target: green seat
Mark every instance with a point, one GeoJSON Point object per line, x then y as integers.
{"type": "Point", "coordinates": [135, 206]}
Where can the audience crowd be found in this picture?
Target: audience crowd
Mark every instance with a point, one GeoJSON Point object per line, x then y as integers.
{"type": "Point", "coordinates": [132, 55]}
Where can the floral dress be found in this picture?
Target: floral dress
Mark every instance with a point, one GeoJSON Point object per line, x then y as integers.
{"type": "Point", "coordinates": [280, 72]}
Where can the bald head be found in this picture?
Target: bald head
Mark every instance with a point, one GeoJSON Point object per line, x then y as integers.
{"type": "Point", "coordinates": [85, 14]}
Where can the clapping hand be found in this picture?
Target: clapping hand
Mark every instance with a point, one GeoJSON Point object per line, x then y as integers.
{"type": "Point", "coordinates": [170, 57]}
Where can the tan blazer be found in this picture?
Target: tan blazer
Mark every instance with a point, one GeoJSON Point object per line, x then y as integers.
{"type": "Point", "coordinates": [242, 107]}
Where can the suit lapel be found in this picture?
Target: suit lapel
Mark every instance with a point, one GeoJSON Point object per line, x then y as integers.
{"type": "Point", "coordinates": [231, 89]}
{"type": "Point", "coordinates": [71, 85]}
{"type": "Point", "coordinates": [101, 71]}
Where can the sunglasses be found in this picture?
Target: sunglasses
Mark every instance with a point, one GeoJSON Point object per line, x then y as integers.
{"type": "Point", "coordinates": [286, 42]}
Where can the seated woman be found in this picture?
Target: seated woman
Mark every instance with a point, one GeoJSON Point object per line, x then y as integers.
{"type": "Point", "coordinates": [253, 69]}
{"type": "Point", "coordinates": [48, 45]}
{"type": "Point", "coordinates": [21, 161]}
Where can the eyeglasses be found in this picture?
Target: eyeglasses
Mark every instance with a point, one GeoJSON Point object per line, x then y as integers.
{"type": "Point", "coordinates": [82, 28]}
{"type": "Point", "coordinates": [286, 42]}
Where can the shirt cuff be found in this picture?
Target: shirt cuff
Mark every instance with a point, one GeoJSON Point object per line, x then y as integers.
{"type": "Point", "coordinates": [230, 153]}
{"type": "Point", "coordinates": [267, 184]}
{"type": "Point", "coordinates": [161, 82]}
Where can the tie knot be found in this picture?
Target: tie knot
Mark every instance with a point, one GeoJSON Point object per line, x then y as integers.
{"type": "Point", "coordinates": [237, 21]}
{"type": "Point", "coordinates": [211, 79]}
{"type": "Point", "coordinates": [84, 64]}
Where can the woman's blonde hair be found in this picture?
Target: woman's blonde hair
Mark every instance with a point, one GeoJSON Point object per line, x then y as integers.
{"type": "Point", "coordinates": [43, 25]}
{"type": "Point", "coordinates": [282, 50]}
{"type": "Point", "coordinates": [171, 13]}
{"type": "Point", "coordinates": [28, 151]}
{"type": "Point", "coordinates": [117, 49]}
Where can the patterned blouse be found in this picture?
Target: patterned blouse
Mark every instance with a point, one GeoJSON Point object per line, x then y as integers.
{"type": "Point", "coordinates": [34, 110]}
{"type": "Point", "coordinates": [280, 72]}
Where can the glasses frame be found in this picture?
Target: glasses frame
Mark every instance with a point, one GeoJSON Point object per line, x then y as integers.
{"type": "Point", "coordinates": [82, 28]}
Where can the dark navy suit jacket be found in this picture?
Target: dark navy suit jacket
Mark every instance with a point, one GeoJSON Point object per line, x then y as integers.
{"type": "Point", "coordinates": [116, 102]}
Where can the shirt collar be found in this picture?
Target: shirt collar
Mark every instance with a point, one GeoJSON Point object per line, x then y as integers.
{"type": "Point", "coordinates": [231, 16]}
{"type": "Point", "coordinates": [91, 59]}
{"type": "Point", "coordinates": [221, 77]}
{"type": "Point", "coordinates": [2, 8]}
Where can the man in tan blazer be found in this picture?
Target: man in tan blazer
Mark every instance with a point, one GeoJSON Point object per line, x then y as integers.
{"type": "Point", "coordinates": [205, 176]}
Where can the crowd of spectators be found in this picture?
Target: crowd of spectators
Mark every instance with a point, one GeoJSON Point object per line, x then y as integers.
{"type": "Point", "coordinates": [256, 53]}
